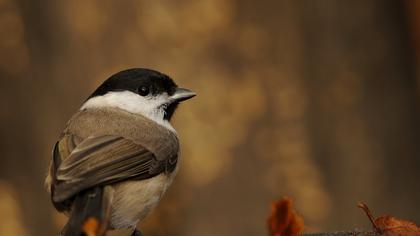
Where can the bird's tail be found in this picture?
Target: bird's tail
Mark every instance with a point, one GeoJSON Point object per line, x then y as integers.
{"type": "Point", "coordinates": [90, 213]}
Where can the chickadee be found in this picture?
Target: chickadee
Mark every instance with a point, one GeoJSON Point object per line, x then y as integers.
{"type": "Point", "coordinates": [118, 154]}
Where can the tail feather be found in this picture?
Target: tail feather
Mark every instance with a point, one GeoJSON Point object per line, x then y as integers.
{"type": "Point", "coordinates": [90, 213]}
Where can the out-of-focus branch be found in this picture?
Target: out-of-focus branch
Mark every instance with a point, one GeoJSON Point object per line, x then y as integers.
{"type": "Point", "coordinates": [345, 233]}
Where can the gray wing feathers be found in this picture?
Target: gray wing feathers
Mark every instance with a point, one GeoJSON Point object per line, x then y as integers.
{"type": "Point", "coordinates": [100, 160]}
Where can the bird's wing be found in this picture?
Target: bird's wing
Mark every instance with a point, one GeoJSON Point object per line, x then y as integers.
{"type": "Point", "coordinates": [79, 165]}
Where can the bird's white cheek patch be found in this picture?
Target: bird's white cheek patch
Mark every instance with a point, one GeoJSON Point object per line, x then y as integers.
{"type": "Point", "coordinates": [150, 107]}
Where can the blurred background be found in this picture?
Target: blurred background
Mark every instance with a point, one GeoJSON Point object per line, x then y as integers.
{"type": "Point", "coordinates": [316, 100]}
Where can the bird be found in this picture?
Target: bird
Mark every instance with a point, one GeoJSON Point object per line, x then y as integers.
{"type": "Point", "coordinates": [118, 154]}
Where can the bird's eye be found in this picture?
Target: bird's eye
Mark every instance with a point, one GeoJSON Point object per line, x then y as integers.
{"type": "Point", "coordinates": [143, 91]}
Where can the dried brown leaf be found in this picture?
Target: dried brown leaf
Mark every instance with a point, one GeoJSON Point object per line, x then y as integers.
{"type": "Point", "coordinates": [283, 220]}
{"type": "Point", "coordinates": [387, 225]}
{"type": "Point", "coordinates": [91, 227]}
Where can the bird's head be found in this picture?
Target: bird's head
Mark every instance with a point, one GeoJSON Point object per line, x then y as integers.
{"type": "Point", "coordinates": [140, 91]}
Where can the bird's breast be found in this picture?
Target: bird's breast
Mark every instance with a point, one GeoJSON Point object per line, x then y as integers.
{"type": "Point", "coordinates": [133, 200]}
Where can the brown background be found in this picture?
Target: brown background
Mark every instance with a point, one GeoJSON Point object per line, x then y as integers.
{"type": "Point", "coordinates": [317, 100]}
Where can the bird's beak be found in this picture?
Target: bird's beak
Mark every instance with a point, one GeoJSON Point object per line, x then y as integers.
{"type": "Point", "coordinates": [182, 94]}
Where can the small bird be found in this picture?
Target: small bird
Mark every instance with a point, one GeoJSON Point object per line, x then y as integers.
{"type": "Point", "coordinates": [118, 154]}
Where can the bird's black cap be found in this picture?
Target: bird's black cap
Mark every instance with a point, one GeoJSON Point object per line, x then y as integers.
{"type": "Point", "coordinates": [134, 79]}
